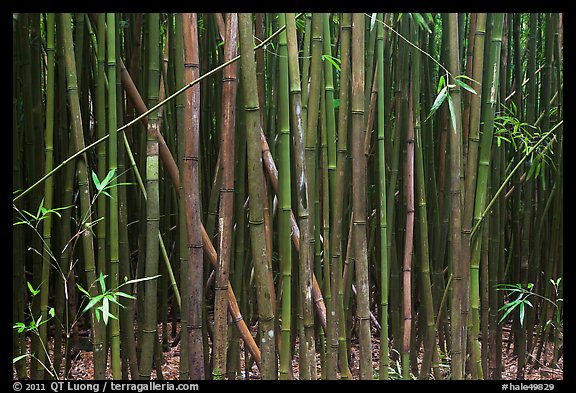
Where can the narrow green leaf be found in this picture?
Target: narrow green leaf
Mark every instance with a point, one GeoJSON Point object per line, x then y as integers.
{"type": "Point", "coordinates": [32, 290]}
{"type": "Point", "coordinates": [40, 209]}
{"type": "Point", "coordinates": [17, 358]}
{"type": "Point", "coordinates": [438, 101]}
{"type": "Point", "coordinates": [464, 86]}
{"type": "Point", "coordinates": [372, 21]}
{"type": "Point", "coordinates": [441, 83]}
{"type": "Point", "coordinates": [105, 310]}
{"type": "Point", "coordinates": [141, 279]}
{"type": "Point", "coordinates": [420, 20]}
{"type": "Point", "coordinates": [452, 112]}
{"type": "Point", "coordinates": [522, 314]}
{"type": "Point", "coordinates": [102, 282]}
{"type": "Point", "coordinates": [85, 292]}
{"type": "Point", "coordinates": [108, 178]}
{"type": "Point", "coordinates": [122, 294]}
{"type": "Point", "coordinates": [95, 180]}
{"type": "Point", "coordinates": [92, 302]}
{"type": "Point", "coordinates": [467, 78]}
{"type": "Point", "coordinates": [506, 313]}
{"type": "Point", "coordinates": [334, 61]}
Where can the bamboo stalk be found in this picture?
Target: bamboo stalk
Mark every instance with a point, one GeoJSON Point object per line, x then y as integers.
{"type": "Point", "coordinates": [255, 185]}
{"type": "Point", "coordinates": [459, 293]}
{"type": "Point", "coordinates": [83, 184]}
{"type": "Point", "coordinates": [226, 199]}
{"type": "Point", "coordinates": [307, 348]}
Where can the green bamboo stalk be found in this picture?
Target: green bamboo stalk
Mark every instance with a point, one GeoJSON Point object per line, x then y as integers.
{"type": "Point", "coordinates": [459, 294]}
{"type": "Point", "coordinates": [101, 108]}
{"type": "Point", "coordinates": [470, 190]}
{"type": "Point", "coordinates": [83, 184]}
{"type": "Point", "coordinates": [531, 114]}
{"type": "Point", "coordinates": [226, 199]}
{"type": "Point", "coordinates": [128, 342]}
{"type": "Point", "coordinates": [330, 368]}
{"type": "Point", "coordinates": [152, 203]}
{"type": "Point", "coordinates": [311, 167]}
{"type": "Point", "coordinates": [305, 70]}
{"type": "Point", "coordinates": [329, 100]}
{"type": "Point", "coordinates": [113, 165]}
{"type": "Point", "coordinates": [338, 205]}
{"type": "Point", "coordinates": [192, 200]}
{"type": "Point", "coordinates": [47, 254]}
{"type": "Point", "coordinates": [307, 349]}
{"type": "Point", "coordinates": [285, 204]}
{"type": "Point", "coordinates": [255, 184]}
{"type": "Point", "coordinates": [383, 223]}
{"type": "Point", "coordinates": [359, 192]}
{"type": "Point", "coordinates": [430, 349]}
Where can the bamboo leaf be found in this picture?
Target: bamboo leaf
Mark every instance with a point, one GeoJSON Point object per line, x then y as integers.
{"type": "Point", "coordinates": [17, 358]}
{"type": "Point", "coordinates": [421, 22]}
{"type": "Point", "coordinates": [32, 290]}
{"type": "Point", "coordinates": [441, 83]}
{"type": "Point", "coordinates": [467, 78]}
{"type": "Point", "coordinates": [108, 178]}
{"type": "Point", "coordinates": [510, 309]}
{"type": "Point", "coordinates": [102, 282]}
{"type": "Point", "coordinates": [122, 294]}
{"type": "Point", "coordinates": [438, 101]}
{"type": "Point", "coordinates": [105, 310]}
{"type": "Point", "coordinates": [85, 292]}
{"type": "Point", "coordinates": [522, 314]}
{"type": "Point", "coordinates": [140, 279]}
{"type": "Point", "coordinates": [452, 112]}
{"type": "Point", "coordinates": [334, 61]}
{"type": "Point", "coordinates": [95, 180]}
{"type": "Point", "coordinates": [92, 302]}
{"type": "Point", "coordinates": [372, 21]}
{"type": "Point", "coordinates": [465, 86]}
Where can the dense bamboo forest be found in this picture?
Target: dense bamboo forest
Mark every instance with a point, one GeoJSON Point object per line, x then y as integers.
{"type": "Point", "coordinates": [287, 196]}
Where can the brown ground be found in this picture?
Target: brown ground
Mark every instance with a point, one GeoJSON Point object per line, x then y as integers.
{"type": "Point", "coordinates": [82, 368]}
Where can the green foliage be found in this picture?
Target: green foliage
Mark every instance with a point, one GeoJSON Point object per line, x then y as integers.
{"type": "Point", "coordinates": [443, 91]}
{"type": "Point", "coordinates": [105, 184]}
{"type": "Point", "coordinates": [521, 301]}
{"type": "Point", "coordinates": [522, 137]}
{"type": "Point", "coordinates": [107, 296]}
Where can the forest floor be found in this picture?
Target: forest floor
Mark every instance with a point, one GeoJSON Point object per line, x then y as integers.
{"type": "Point", "coordinates": [83, 369]}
